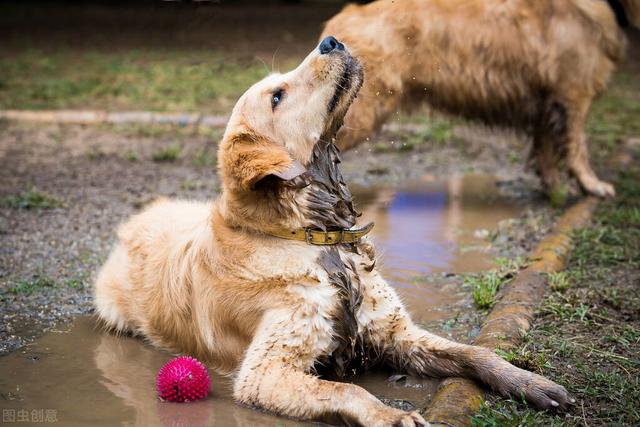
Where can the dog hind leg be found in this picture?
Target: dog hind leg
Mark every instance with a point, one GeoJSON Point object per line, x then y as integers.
{"type": "Point", "coordinates": [548, 144]}
{"type": "Point", "coordinates": [545, 159]}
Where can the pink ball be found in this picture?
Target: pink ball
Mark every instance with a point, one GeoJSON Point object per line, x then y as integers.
{"type": "Point", "coordinates": [183, 379]}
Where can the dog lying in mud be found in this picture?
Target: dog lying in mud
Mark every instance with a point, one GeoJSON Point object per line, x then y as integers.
{"type": "Point", "coordinates": [273, 281]}
{"type": "Point", "coordinates": [532, 65]}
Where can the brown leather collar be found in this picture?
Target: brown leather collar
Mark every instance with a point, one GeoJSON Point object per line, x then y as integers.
{"type": "Point", "coordinates": [324, 238]}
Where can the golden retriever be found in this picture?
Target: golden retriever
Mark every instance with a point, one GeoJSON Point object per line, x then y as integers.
{"type": "Point", "coordinates": [234, 282]}
{"type": "Point", "coordinates": [533, 65]}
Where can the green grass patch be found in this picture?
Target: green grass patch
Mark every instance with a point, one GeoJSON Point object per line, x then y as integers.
{"type": "Point", "coordinates": [205, 157]}
{"type": "Point", "coordinates": [438, 130]}
{"type": "Point", "coordinates": [33, 198]}
{"type": "Point", "coordinates": [485, 286]}
{"type": "Point", "coordinates": [27, 287]}
{"type": "Point", "coordinates": [41, 281]}
{"type": "Point", "coordinates": [428, 130]}
{"type": "Point", "coordinates": [159, 80]}
{"type": "Point", "coordinates": [559, 281]}
{"type": "Point", "coordinates": [131, 155]}
{"type": "Point", "coordinates": [168, 154]}
{"type": "Point", "coordinates": [614, 116]}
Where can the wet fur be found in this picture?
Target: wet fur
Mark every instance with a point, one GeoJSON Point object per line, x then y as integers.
{"type": "Point", "coordinates": [208, 280]}
{"type": "Point", "coordinates": [534, 66]}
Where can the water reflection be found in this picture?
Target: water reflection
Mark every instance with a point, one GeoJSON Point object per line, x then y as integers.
{"type": "Point", "coordinates": [429, 226]}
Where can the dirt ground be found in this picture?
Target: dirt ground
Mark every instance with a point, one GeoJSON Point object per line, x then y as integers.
{"type": "Point", "coordinates": [64, 189]}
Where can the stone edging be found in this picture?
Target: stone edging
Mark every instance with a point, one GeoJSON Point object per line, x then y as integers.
{"type": "Point", "coordinates": [457, 399]}
{"type": "Point", "coordinates": [98, 117]}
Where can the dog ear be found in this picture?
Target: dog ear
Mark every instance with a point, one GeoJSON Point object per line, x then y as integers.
{"type": "Point", "coordinates": [251, 159]}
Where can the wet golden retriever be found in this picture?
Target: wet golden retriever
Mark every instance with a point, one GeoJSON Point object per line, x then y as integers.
{"type": "Point", "coordinates": [533, 65]}
{"type": "Point", "coordinates": [271, 281]}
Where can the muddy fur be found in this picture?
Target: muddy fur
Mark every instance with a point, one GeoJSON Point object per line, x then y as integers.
{"type": "Point", "coordinates": [534, 66]}
{"type": "Point", "coordinates": [329, 201]}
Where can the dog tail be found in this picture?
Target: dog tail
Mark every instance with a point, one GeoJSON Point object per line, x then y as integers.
{"type": "Point", "coordinates": [611, 39]}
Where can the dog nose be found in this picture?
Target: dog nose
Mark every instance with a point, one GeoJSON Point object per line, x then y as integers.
{"type": "Point", "coordinates": [329, 44]}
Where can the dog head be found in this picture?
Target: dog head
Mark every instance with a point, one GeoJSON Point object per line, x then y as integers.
{"type": "Point", "coordinates": [277, 122]}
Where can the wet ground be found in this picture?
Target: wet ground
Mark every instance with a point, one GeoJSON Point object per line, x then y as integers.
{"type": "Point", "coordinates": [429, 233]}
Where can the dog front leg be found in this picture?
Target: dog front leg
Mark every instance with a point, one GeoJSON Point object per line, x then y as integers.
{"type": "Point", "coordinates": [275, 376]}
{"type": "Point", "coordinates": [409, 348]}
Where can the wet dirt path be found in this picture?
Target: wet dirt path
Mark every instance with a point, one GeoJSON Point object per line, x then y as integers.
{"type": "Point", "coordinates": [426, 232]}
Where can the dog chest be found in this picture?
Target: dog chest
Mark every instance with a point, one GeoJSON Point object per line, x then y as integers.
{"type": "Point", "coordinates": [343, 276]}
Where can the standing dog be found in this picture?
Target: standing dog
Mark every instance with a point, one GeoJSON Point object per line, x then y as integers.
{"type": "Point", "coordinates": [534, 65]}
{"type": "Point", "coordinates": [272, 281]}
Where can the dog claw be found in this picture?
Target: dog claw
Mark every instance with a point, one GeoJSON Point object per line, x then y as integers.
{"type": "Point", "coordinates": [601, 189]}
{"type": "Point", "coordinates": [541, 392]}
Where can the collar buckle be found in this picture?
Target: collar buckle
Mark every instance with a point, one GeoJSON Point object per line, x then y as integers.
{"type": "Point", "coordinates": [308, 237]}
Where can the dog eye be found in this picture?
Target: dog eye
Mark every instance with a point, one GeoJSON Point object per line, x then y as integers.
{"type": "Point", "coordinates": [276, 98]}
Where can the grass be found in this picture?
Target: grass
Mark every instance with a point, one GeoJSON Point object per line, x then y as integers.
{"type": "Point", "coordinates": [614, 116]}
{"type": "Point", "coordinates": [33, 198]}
{"type": "Point", "coordinates": [168, 154]}
{"type": "Point", "coordinates": [40, 281]}
{"type": "Point", "coordinates": [159, 80]}
{"type": "Point", "coordinates": [205, 157]}
{"type": "Point", "coordinates": [587, 336]}
{"type": "Point", "coordinates": [558, 196]}
{"type": "Point", "coordinates": [431, 130]}
{"type": "Point", "coordinates": [131, 155]}
{"type": "Point", "coordinates": [559, 282]}
{"type": "Point", "coordinates": [34, 284]}
{"type": "Point", "coordinates": [485, 286]}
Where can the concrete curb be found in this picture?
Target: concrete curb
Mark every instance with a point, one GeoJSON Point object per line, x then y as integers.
{"type": "Point", "coordinates": [97, 117]}
{"type": "Point", "coordinates": [457, 399]}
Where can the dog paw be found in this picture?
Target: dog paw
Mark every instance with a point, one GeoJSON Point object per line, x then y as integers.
{"type": "Point", "coordinates": [542, 392]}
{"type": "Point", "coordinates": [397, 418]}
{"type": "Point", "coordinates": [600, 189]}
{"type": "Point", "coordinates": [411, 419]}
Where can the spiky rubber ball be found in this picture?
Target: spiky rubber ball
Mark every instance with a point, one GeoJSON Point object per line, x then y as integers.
{"type": "Point", "coordinates": [183, 379]}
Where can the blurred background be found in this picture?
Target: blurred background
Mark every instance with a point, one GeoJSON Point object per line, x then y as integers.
{"type": "Point", "coordinates": [145, 54]}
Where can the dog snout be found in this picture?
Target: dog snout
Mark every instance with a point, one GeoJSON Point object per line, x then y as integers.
{"type": "Point", "coordinates": [329, 44]}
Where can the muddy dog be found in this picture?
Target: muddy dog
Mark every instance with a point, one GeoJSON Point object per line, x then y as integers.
{"type": "Point", "coordinates": [534, 66]}
{"type": "Point", "coordinates": [273, 280]}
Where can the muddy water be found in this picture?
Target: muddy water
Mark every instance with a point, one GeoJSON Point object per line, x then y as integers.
{"type": "Point", "coordinates": [81, 376]}
{"type": "Point", "coordinates": [430, 227]}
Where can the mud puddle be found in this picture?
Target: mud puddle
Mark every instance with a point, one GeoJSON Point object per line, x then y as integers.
{"type": "Point", "coordinates": [81, 376]}
{"type": "Point", "coordinates": [431, 229]}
